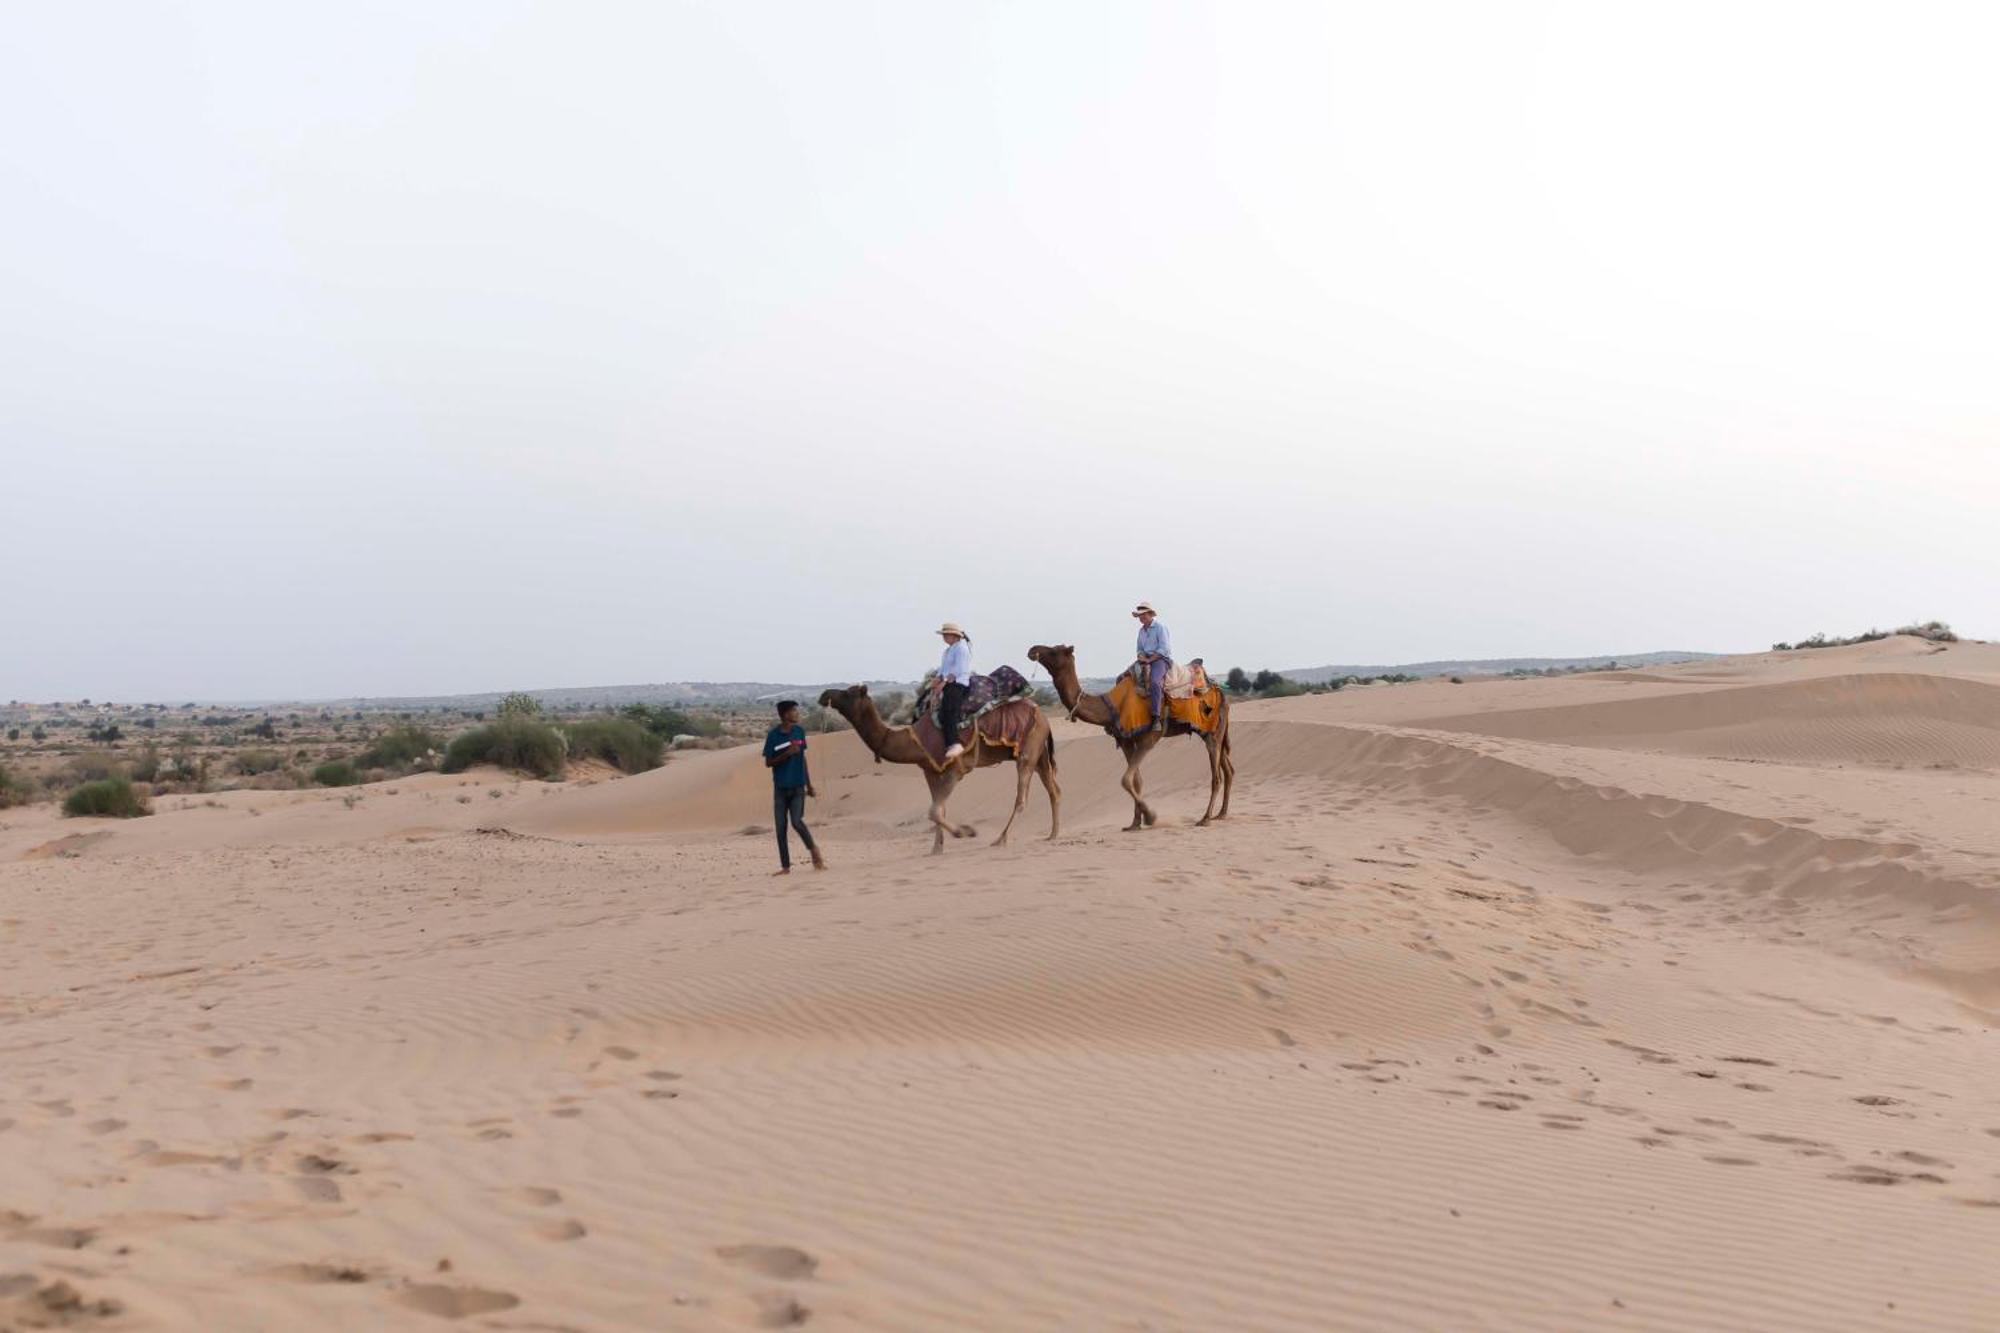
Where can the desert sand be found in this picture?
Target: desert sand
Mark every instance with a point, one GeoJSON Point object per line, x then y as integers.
{"type": "Point", "coordinates": [1660, 1000]}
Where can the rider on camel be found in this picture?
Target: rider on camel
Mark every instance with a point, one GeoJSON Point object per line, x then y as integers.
{"type": "Point", "coordinates": [1156, 659]}
{"type": "Point", "coordinates": [954, 678]}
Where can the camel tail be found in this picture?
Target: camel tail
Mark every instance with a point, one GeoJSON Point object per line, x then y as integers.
{"type": "Point", "coordinates": [1052, 754]}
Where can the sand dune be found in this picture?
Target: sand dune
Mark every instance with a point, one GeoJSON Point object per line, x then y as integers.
{"type": "Point", "coordinates": [1893, 719]}
{"type": "Point", "coordinates": [1518, 1004]}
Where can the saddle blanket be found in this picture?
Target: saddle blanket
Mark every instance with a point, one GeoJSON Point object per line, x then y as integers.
{"type": "Point", "coordinates": [1185, 680]}
{"type": "Point", "coordinates": [1005, 724]}
{"type": "Point", "coordinates": [1132, 708]}
{"type": "Point", "coordinates": [1002, 684]}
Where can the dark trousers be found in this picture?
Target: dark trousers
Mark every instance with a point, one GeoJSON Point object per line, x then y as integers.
{"type": "Point", "coordinates": [948, 709]}
{"type": "Point", "coordinates": [788, 805]}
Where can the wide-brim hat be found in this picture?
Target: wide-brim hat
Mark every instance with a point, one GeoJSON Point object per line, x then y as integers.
{"type": "Point", "coordinates": [1143, 609]}
{"type": "Point", "coordinates": [951, 627]}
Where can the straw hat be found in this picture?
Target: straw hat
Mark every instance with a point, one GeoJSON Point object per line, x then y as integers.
{"type": "Point", "coordinates": [951, 627]}
{"type": "Point", "coordinates": [1143, 609]}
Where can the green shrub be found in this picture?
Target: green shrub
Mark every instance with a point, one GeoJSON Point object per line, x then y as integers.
{"type": "Point", "coordinates": [401, 747]}
{"type": "Point", "coordinates": [667, 723]}
{"type": "Point", "coordinates": [619, 741]}
{"type": "Point", "coordinates": [515, 742]}
{"type": "Point", "coordinates": [519, 704]}
{"type": "Point", "coordinates": [335, 773]}
{"type": "Point", "coordinates": [113, 797]}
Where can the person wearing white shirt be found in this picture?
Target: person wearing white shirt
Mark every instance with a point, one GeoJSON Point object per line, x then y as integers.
{"type": "Point", "coordinates": [954, 678]}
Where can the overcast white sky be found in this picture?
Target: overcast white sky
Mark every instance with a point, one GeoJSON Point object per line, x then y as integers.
{"type": "Point", "coordinates": [385, 348]}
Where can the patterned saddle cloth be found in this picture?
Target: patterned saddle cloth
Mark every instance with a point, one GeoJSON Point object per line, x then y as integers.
{"type": "Point", "coordinates": [1005, 723]}
{"type": "Point", "coordinates": [985, 692]}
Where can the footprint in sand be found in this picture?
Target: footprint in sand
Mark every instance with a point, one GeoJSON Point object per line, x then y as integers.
{"type": "Point", "coordinates": [455, 1302]}
{"type": "Point", "coordinates": [538, 1196]}
{"type": "Point", "coordinates": [775, 1309]}
{"type": "Point", "coordinates": [318, 1273]}
{"type": "Point", "coordinates": [568, 1229]}
{"type": "Point", "coordinates": [61, 1238]}
{"type": "Point", "coordinates": [785, 1262]}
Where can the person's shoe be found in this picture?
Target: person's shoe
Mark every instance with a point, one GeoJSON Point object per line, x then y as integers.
{"type": "Point", "coordinates": [1160, 724]}
{"type": "Point", "coordinates": [954, 752]}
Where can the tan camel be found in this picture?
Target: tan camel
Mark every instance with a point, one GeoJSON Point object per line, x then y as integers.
{"type": "Point", "coordinates": [1060, 662]}
{"type": "Point", "coordinates": [899, 745]}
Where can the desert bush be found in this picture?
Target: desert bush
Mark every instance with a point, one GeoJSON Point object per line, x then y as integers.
{"type": "Point", "coordinates": [13, 733]}
{"type": "Point", "coordinates": [105, 733]}
{"type": "Point", "coordinates": [618, 741]}
{"type": "Point", "coordinates": [95, 766]}
{"type": "Point", "coordinates": [517, 742]}
{"type": "Point", "coordinates": [265, 730]}
{"type": "Point", "coordinates": [668, 723]}
{"type": "Point", "coordinates": [519, 704]}
{"type": "Point", "coordinates": [401, 747]}
{"type": "Point", "coordinates": [335, 773]}
{"type": "Point", "coordinates": [252, 762]}
{"type": "Point", "coordinates": [14, 789]}
{"type": "Point", "coordinates": [146, 768]}
{"type": "Point", "coordinates": [112, 797]}
{"type": "Point", "coordinates": [1934, 630]}
{"type": "Point", "coordinates": [40, 733]}
{"type": "Point", "coordinates": [1284, 689]}
{"type": "Point", "coordinates": [1237, 681]}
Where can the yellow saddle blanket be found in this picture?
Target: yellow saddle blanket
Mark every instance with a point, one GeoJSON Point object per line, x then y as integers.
{"type": "Point", "coordinates": [1133, 710]}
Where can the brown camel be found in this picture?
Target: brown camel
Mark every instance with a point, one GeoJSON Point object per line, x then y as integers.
{"type": "Point", "coordinates": [899, 745]}
{"type": "Point", "coordinates": [1060, 662]}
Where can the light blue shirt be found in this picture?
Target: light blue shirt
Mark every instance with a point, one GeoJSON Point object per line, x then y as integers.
{"type": "Point", "coordinates": [1153, 639]}
{"type": "Point", "coordinates": [957, 663]}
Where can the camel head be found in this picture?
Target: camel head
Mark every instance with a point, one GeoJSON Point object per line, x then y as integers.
{"type": "Point", "coordinates": [843, 701]}
{"type": "Point", "coordinates": [1053, 658]}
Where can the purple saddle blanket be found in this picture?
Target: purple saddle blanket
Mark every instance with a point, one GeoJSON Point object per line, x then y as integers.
{"type": "Point", "coordinates": [1001, 685]}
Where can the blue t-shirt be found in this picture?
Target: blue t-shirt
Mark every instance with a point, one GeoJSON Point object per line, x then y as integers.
{"type": "Point", "coordinates": [792, 772]}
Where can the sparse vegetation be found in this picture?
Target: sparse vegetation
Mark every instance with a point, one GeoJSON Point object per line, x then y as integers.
{"type": "Point", "coordinates": [252, 762]}
{"type": "Point", "coordinates": [14, 789]}
{"type": "Point", "coordinates": [667, 723]}
{"type": "Point", "coordinates": [402, 747]}
{"type": "Point", "coordinates": [335, 773]}
{"type": "Point", "coordinates": [519, 704]}
{"type": "Point", "coordinates": [517, 741]}
{"type": "Point", "coordinates": [1934, 630]}
{"type": "Point", "coordinates": [618, 741]}
{"type": "Point", "coordinates": [114, 798]}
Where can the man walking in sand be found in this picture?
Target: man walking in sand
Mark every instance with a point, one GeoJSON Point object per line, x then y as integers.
{"type": "Point", "coordinates": [785, 756]}
{"type": "Point", "coordinates": [1156, 658]}
{"type": "Point", "coordinates": [954, 677]}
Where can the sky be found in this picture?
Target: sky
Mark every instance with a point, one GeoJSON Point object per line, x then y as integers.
{"type": "Point", "coordinates": [372, 348]}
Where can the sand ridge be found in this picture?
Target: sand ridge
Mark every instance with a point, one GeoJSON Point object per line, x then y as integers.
{"type": "Point", "coordinates": [1513, 1022]}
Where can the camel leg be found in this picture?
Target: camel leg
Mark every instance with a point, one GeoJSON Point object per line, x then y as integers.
{"type": "Point", "coordinates": [1142, 814]}
{"type": "Point", "coordinates": [941, 785]}
{"type": "Point", "coordinates": [1023, 770]}
{"type": "Point", "coordinates": [1046, 766]}
{"type": "Point", "coordinates": [1214, 778]}
{"type": "Point", "coordinates": [1228, 775]}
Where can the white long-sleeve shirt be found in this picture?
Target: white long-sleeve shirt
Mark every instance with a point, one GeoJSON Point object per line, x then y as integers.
{"type": "Point", "coordinates": [957, 663]}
